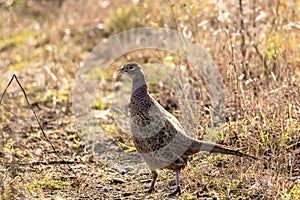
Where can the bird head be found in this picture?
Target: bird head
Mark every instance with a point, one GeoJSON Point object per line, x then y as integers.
{"type": "Point", "coordinates": [129, 69]}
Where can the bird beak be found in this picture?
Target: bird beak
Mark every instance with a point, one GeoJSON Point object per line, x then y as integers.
{"type": "Point", "coordinates": [120, 71]}
{"type": "Point", "coordinates": [118, 74]}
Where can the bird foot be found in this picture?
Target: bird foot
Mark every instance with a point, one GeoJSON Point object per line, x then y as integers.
{"type": "Point", "coordinates": [176, 191]}
{"type": "Point", "coordinates": [151, 189]}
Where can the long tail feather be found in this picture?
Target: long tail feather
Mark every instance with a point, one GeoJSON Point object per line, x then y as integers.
{"type": "Point", "coordinates": [197, 146]}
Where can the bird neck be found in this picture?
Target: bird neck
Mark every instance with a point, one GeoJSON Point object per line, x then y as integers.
{"type": "Point", "coordinates": [139, 83]}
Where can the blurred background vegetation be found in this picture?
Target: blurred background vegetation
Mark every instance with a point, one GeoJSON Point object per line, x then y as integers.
{"type": "Point", "coordinates": [255, 44]}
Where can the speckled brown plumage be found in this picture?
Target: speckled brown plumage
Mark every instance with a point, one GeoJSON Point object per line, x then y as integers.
{"type": "Point", "coordinates": [157, 135]}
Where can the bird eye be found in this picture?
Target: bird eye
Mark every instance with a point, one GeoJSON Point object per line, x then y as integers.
{"type": "Point", "coordinates": [131, 67]}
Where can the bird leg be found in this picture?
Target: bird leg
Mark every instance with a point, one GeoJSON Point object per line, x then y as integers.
{"type": "Point", "coordinates": [154, 177]}
{"type": "Point", "coordinates": [177, 189]}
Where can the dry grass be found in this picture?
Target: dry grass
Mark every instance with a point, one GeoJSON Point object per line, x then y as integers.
{"type": "Point", "coordinates": [255, 46]}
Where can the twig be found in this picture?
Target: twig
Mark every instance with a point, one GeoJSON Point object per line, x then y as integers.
{"type": "Point", "coordinates": [44, 163]}
{"type": "Point", "coordinates": [173, 15]}
{"type": "Point", "coordinates": [235, 67]}
{"type": "Point", "coordinates": [243, 44]}
{"type": "Point", "coordinates": [6, 108]}
{"type": "Point", "coordinates": [35, 116]}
